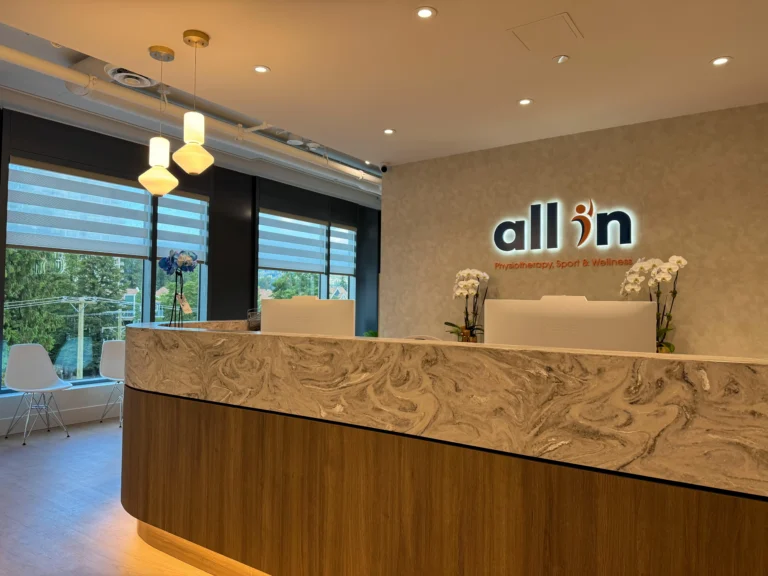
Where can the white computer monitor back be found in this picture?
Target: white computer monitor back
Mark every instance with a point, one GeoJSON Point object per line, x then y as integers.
{"type": "Point", "coordinates": [572, 322]}
{"type": "Point", "coordinates": [304, 315]}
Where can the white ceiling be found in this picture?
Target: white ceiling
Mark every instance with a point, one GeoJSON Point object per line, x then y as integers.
{"type": "Point", "coordinates": [52, 100]}
{"type": "Point", "coordinates": [343, 71]}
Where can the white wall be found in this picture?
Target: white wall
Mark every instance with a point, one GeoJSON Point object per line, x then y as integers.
{"type": "Point", "coordinates": [698, 186]}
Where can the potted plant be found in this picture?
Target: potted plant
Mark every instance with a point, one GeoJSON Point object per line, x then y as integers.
{"type": "Point", "coordinates": [469, 284]}
{"type": "Point", "coordinates": [658, 273]}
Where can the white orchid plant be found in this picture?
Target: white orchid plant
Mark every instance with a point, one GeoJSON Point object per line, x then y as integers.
{"type": "Point", "coordinates": [657, 273]}
{"type": "Point", "coordinates": [469, 284]}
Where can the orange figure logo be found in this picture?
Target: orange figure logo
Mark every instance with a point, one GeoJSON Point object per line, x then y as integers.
{"type": "Point", "coordinates": [585, 221]}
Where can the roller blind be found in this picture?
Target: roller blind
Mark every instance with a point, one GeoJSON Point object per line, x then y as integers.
{"type": "Point", "coordinates": [287, 243]}
{"type": "Point", "coordinates": [182, 224]}
{"type": "Point", "coordinates": [343, 250]}
{"type": "Point", "coordinates": [57, 209]}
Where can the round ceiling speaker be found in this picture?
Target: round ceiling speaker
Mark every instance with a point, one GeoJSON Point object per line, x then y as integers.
{"type": "Point", "coordinates": [125, 77]}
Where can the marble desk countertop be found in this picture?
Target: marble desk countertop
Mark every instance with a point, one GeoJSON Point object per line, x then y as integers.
{"type": "Point", "coordinates": [692, 419]}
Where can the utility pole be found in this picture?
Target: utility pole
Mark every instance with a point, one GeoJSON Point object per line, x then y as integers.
{"type": "Point", "coordinates": [80, 336]}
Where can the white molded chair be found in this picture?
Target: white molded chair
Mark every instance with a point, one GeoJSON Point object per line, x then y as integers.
{"type": "Point", "coordinates": [31, 372]}
{"type": "Point", "coordinates": [112, 367]}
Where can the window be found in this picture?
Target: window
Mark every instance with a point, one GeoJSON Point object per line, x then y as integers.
{"type": "Point", "coordinates": [75, 263]}
{"type": "Point", "coordinates": [280, 284]}
{"type": "Point", "coordinates": [341, 287]}
{"type": "Point", "coordinates": [182, 224]}
{"type": "Point", "coordinates": [292, 257]}
{"type": "Point", "coordinates": [290, 244]}
{"type": "Point", "coordinates": [342, 264]}
{"type": "Point", "coordinates": [304, 258]}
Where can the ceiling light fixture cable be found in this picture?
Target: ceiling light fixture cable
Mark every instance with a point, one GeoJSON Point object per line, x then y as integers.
{"type": "Point", "coordinates": [192, 157]}
{"type": "Point", "coordinates": [157, 180]}
{"type": "Point", "coordinates": [162, 98]}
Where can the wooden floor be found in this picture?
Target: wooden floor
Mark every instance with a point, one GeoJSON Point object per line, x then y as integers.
{"type": "Point", "coordinates": [60, 511]}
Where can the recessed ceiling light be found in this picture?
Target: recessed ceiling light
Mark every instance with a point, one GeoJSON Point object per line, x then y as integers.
{"type": "Point", "coordinates": [562, 59]}
{"type": "Point", "coordinates": [389, 131]}
{"type": "Point", "coordinates": [426, 12]}
{"type": "Point", "coordinates": [525, 102]}
{"type": "Point", "coordinates": [262, 69]}
{"type": "Point", "coordinates": [295, 142]}
{"type": "Point", "coordinates": [367, 163]}
{"type": "Point", "coordinates": [721, 60]}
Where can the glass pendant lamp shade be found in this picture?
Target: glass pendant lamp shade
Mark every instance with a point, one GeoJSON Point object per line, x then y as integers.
{"type": "Point", "coordinates": [157, 180]}
{"type": "Point", "coordinates": [193, 158]}
{"type": "Point", "coordinates": [159, 152]}
{"type": "Point", "coordinates": [194, 128]}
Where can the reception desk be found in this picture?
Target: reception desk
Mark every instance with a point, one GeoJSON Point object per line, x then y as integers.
{"type": "Point", "coordinates": [313, 455]}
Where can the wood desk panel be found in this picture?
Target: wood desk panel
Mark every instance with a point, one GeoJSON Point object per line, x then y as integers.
{"type": "Point", "coordinates": [298, 497]}
{"type": "Point", "coordinates": [697, 420]}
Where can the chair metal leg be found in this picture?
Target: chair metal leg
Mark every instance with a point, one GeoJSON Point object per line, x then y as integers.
{"type": "Point", "coordinates": [108, 406]}
{"type": "Point", "coordinates": [27, 429]}
{"type": "Point", "coordinates": [121, 408]}
{"type": "Point", "coordinates": [41, 406]}
{"type": "Point", "coordinates": [59, 417]}
{"type": "Point", "coordinates": [47, 411]}
{"type": "Point", "coordinates": [15, 420]}
{"type": "Point", "coordinates": [26, 423]}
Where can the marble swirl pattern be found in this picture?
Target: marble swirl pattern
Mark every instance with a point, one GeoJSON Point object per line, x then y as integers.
{"type": "Point", "coordinates": [702, 422]}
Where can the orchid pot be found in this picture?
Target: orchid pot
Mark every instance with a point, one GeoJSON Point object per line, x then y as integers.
{"type": "Point", "coordinates": [471, 285]}
{"type": "Point", "coordinates": [661, 280]}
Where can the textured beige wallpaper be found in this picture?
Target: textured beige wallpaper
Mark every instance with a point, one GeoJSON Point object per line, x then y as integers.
{"type": "Point", "coordinates": [697, 185]}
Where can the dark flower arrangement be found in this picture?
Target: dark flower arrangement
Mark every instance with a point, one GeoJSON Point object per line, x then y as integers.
{"type": "Point", "coordinates": [176, 263]}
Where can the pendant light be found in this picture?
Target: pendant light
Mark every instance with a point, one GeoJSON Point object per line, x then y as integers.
{"type": "Point", "coordinates": [157, 180]}
{"type": "Point", "coordinates": [192, 157]}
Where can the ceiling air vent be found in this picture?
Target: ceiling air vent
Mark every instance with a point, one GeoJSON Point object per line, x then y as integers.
{"type": "Point", "coordinates": [551, 36]}
{"type": "Point", "coordinates": [125, 77]}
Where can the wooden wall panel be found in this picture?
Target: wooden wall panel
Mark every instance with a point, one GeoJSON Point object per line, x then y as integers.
{"type": "Point", "coordinates": [232, 253]}
{"type": "Point", "coordinates": [368, 260]}
{"type": "Point", "coordinates": [297, 497]}
{"type": "Point", "coordinates": [5, 157]}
